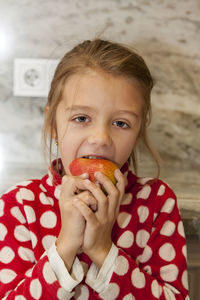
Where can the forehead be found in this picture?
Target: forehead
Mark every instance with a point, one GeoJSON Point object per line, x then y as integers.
{"type": "Point", "coordinates": [101, 88]}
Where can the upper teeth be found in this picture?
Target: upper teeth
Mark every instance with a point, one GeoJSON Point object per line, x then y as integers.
{"type": "Point", "coordinates": [91, 157]}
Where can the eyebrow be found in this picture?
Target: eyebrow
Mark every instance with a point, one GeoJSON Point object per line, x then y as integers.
{"type": "Point", "coordinates": [88, 108]}
{"type": "Point", "coordinates": [78, 107]}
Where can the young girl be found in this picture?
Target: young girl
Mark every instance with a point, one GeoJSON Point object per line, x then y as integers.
{"type": "Point", "coordinates": [61, 236]}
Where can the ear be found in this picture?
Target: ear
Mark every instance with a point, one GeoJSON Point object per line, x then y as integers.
{"type": "Point", "coordinates": [46, 110]}
{"type": "Point", "coordinates": [51, 132]}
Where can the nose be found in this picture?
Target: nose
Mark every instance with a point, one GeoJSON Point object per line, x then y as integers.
{"type": "Point", "coordinates": [100, 137]}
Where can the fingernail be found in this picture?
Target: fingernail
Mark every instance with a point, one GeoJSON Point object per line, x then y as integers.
{"type": "Point", "coordinates": [96, 174]}
{"type": "Point", "coordinates": [84, 175]}
{"type": "Point", "coordinates": [117, 172]}
{"type": "Point", "coordinates": [64, 178]}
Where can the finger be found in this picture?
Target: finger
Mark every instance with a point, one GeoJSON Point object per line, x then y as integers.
{"type": "Point", "coordinates": [121, 182]}
{"type": "Point", "coordinates": [115, 192]}
{"type": "Point", "coordinates": [112, 191]}
{"type": "Point", "coordinates": [102, 200]}
{"type": "Point", "coordinates": [84, 176]}
{"type": "Point", "coordinates": [88, 199]}
{"type": "Point", "coordinates": [85, 211]}
{"type": "Point", "coordinates": [71, 185]}
{"type": "Point", "coordinates": [107, 184]}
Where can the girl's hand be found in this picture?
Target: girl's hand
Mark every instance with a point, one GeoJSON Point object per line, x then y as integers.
{"type": "Point", "coordinates": [97, 235]}
{"type": "Point", "coordinates": [70, 238]}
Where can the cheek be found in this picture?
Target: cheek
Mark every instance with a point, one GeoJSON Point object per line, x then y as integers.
{"type": "Point", "coordinates": [124, 150]}
{"type": "Point", "coordinates": [68, 146]}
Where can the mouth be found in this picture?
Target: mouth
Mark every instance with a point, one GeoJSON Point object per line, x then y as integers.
{"type": "Point", "coordinates": [94, 157]}
{"type": "Point", "coordinates": [98, 157]}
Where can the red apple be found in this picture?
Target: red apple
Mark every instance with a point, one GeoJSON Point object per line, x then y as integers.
{"type": "Point", "coordinates": [83, 165]}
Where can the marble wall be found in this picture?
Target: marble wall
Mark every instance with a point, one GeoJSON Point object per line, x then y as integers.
{"type": "Point", "coordinates": [166, 33]}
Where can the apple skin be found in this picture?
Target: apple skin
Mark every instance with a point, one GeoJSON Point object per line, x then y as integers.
{"type": "Point", "coordinates": [83, 165]}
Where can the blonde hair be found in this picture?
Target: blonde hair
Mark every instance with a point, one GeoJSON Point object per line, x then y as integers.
{"type": "Point", "coordinates": [115, 59]}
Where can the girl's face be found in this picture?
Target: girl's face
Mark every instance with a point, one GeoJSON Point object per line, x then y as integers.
{"type": "Point", "coordinates": [99, 116]}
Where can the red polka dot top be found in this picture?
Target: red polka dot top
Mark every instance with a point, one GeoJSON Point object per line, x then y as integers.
{"type": "Point", "coordinates": [148, 233]}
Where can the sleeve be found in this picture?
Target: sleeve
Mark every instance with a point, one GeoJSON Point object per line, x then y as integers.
{"type": "Point", "coordinates": [21, 276]}
{"type": "Point", "coordinates": [97, 279]}
{"type": "Point", "coordinates": [160, 272]}
{"type": "Point", "coordinates": [67, 281]}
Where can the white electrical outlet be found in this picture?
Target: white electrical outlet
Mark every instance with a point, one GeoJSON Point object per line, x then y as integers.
{"type": "Point", "coordinates": [32, 77]}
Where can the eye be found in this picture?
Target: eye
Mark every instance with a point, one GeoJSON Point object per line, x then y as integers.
{"type": "Point", "coordinates": [121, 124]}
{"type": "Point", "coordinates": [81, 119]}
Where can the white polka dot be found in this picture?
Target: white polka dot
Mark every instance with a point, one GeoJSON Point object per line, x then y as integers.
{"type": "Point", "coordinates": [126, 239]}
{"type": "Point", "coordinates": [20, 297]}
{"type": "Point", "coordinates": [142, 237]}
{"type": "Point", "coordinates": [167, 252]}
{"type": "Point", "coordinates": [146, 255]}
{"type": "Point", "coordinates": [122, 265]}
{"type": "Point", "coordinates": [181, 229]}
{"type": "Point", "coordinates": [27, 194]}
{"type": "Point", "coordinates": [26, 254]}
{"type": "Point", "coordinates": [184, 251]}
{"type": "Point", "coordinates": [3, 232]}
{"type": "Point", "coordinates": [1, 207]}
{"type": "Point", "coordinates": [57, 192]}
{"type": "Point", "coordinates": [169, 295]}
{"type": "Point", "coordinates": [82, 292]}
{"type": "Point", "coordinates": [15, 211]}
{"type": "Point", "coordinates": [48, 274]}
{"type": "Point", "coordinates": [144, 180]}
{"type": "Point", "coordinates": [161, 190]}
{"type": "Point", "coordinates": [168, 228]}
{"type": "Point", "coordinates": [138, 279]}
{"type": "Point", "coordinates": [6, 255]}
{"type": "Point", "coordinates": [34, 239]}
{"type": "Point", "coordinates": [35, 289]}
{"type": "Point", "coordinates": [29, 272]}
{"type": "Point", "coordinates": [143, 213]}
{"type": "Point", "coordinates": [156, 289]}
{"type": "Point", "coordinates": [21, 233]}
{"type": "Point", "coordinates": [169, 272]}
{"type": "Point", "coordinates": [168, 205]}
{"type": "Point", "coordinates": [155, 216]}
{"type": "Point", "coordinates": [144, 193]}
{"type": "Point", "coordinates": [123, 219]}
{"type": "Point", "coordinates": [19, 198]}
{"type": "Point", "coordinates": [187, 298]}
{"type": "Point", "coordinates": [46, 200]}
{"type": "Point", "coordinates": [49, 181]}
{"type": "Point", "coordinates": [43, 188]}
{"type": "Point", "coordinates": [47, 241]}
{"type": "Point", "coordinates": [30, 214]}
{"type": "Point", "coordinates": [172, 288]}
{"type": "Point", "coordinates": [129, 297]}
{"type": "Point", "coordinates": [184, 279]}
{"type": "Point", "coordinates": [7, 275]}
{"type": "Point", "coordinates": [111, 292]}
{"type": "Point", "coordinates": [127, 198]}
{"type": "Point", "coordinates": [48, 219]}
